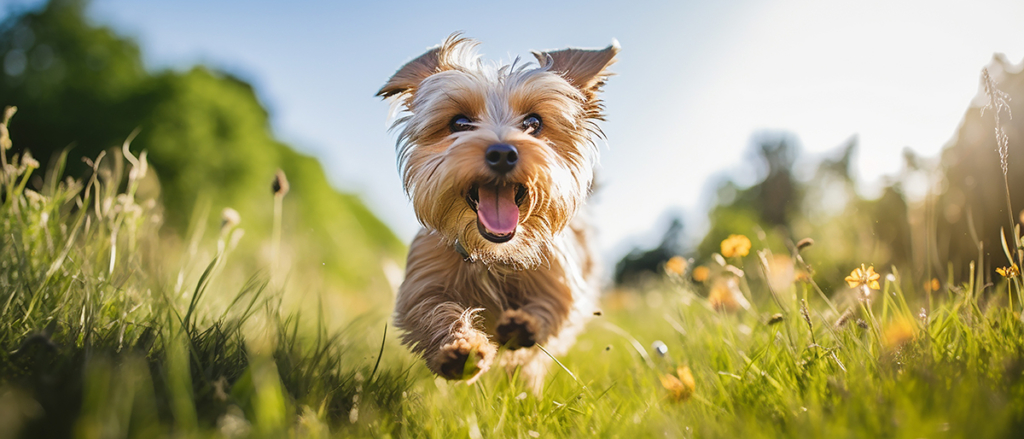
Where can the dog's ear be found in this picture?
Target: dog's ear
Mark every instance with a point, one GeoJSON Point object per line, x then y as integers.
{"type": "Point", "coordinates": [585, 69]}
{"type": "Point", "coordinates": [454, 51]}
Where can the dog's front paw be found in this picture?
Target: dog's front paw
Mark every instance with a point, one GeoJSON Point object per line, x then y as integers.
{"type": "Point", "coordinates": [466, 357]}
{"type": "Point", "coordinates": [517, 329]}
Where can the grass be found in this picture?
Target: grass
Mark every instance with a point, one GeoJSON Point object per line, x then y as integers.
{"type": "Point", "coordinates": [109, 330]}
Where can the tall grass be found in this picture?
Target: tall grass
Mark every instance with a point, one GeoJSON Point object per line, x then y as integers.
{"type": "Point", "coordinates": [108, 329]}
{"type": "Point", "coordinates": [102, 336]}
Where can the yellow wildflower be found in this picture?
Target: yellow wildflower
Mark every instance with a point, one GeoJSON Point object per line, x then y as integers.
{"type": "Point", "coordinates": [780, 272]}
{"type": "Point", "coordinates": [801, 276]}
{"type": "Point", "coordinates": [725, 295]}
{"type": "Point", "coordinates": [863, 276]}
{"type": "Point", "coordinates": [1008, 272]}
{"type": "Point", "coordinates": [681, 385]}
{"type": "Point", "coordinates": [735, 245]}
{"type": "Point", "coordinates": [701, 273]}
{"type": "Point", "coordinates": [898, 333]}
{"type": "Point", "coordinates": [932, 285]}
{"type": "Point", "coordinates": [676, 265]}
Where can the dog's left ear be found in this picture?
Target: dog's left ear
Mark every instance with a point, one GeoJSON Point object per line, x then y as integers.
{"type": "Point", "coordinates": [455, 51]}
{"type": "Point", "coordinates": [585, 69]}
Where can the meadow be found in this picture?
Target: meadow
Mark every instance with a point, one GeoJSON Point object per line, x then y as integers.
{"type": "Point", "coordinates": [110, 328]}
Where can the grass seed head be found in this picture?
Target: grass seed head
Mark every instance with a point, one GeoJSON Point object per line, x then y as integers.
{"type": "Point", "coordinates": [807, 318]}
{"type": "Point", "coordinates": [998, 101]}
{"type": "Point", "coordinates": [280, 184]}
{"type": "Point", "coordinates": [804, 243]}
{"type": "Point", "coordinates": [845, 317]}
{"type": "Point", "coordinates": [229, 218]}
{"type": "Point", "coordinates": [29, 162]}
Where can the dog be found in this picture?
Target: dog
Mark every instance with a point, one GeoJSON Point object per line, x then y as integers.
{"type": "Point", "coordinates": [498, 161]}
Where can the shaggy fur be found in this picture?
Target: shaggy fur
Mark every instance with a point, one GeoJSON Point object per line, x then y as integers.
{"type": "Point", "coordinates": [464, 294]}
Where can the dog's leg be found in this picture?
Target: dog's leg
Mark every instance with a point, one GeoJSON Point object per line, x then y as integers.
{"type": "Point", "coordinates": [545, 308]}
{"type": "Point", "coordinates": [436, 324]}
{"type": "Point", "coordinates": [548, 294]}
{"type": "Point", "coordinates": [445, 333]}
{"type": "Point", "coordinates": [555, 302]}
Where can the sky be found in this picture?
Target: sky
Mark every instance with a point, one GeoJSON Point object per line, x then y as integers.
{"type": "Point", "coordinates": [695, 81]}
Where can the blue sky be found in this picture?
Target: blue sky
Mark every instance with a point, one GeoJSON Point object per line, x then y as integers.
{"type": "Point", "coordinates": [695, 81]}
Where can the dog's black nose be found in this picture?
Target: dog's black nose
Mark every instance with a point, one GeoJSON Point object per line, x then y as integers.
{"type": "Point", "coordinates": [501, 157]}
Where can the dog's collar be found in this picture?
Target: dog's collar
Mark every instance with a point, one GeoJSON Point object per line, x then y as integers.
{"type": "Point", "coordinates": [461, 251]}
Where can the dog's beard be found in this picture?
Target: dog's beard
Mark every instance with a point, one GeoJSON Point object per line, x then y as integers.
{"type": "Point", "coordinates": [511, 219]}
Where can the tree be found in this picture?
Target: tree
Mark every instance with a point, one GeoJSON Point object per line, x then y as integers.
{"type": "Point", "coordinates": [207, 136]}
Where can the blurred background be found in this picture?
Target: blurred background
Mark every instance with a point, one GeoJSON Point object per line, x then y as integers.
{"type": "Point", "coordinates": [857, 124]}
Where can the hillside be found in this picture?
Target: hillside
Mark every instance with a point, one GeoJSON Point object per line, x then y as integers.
{"type": "Point", "coordinates": [83, 87]}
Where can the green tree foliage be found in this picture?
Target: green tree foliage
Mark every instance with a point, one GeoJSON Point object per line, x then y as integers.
{"type": "Point", "coordinates": [207, 136]}
{"type": "Point", "coordinates": [769, 204]}
{"type": "Point", "coordinates": [641, 264]}
{"type": "Point", "coordinates": [779, 210]}
{"type": "Point", "coordinates": [74, 83]}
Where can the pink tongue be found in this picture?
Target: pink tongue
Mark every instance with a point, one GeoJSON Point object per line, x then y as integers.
{"type": "Point", "coordinates": [497, 210]}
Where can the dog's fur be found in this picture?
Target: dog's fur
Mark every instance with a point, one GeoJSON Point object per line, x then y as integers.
{"type": "Point", "coordinates": [463, 292]}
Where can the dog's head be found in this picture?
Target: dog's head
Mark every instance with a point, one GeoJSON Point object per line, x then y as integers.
{"type": "Point", "coordinates": [498, 158]}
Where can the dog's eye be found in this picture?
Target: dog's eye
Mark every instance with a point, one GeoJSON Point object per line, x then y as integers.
{"type": "Point", "coordinates": [460, 123]}
{"type": "Point", "coordinates": [532, 124]}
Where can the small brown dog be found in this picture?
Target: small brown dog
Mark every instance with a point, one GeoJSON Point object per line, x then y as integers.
{"type": "Point", "coordinates": [498, 161]}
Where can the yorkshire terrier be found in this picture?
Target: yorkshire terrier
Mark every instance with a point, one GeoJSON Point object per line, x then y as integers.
{"type": "Point", "coordinates": [498, 161]}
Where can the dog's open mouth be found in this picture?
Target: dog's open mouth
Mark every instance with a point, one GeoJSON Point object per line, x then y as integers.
{"type": "Point", "coordinates": [497, 209]}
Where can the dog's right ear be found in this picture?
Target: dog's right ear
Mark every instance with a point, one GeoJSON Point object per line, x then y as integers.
{"type": "Point", "coordinates": [448, 56]}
